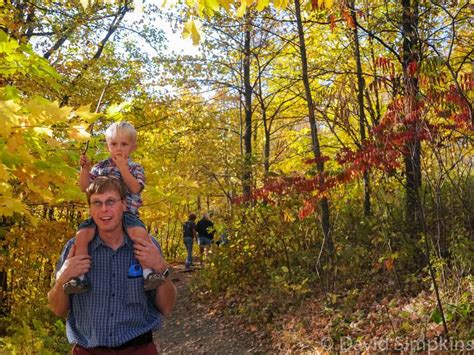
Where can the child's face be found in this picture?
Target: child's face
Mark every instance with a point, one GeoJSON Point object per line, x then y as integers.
{"type": "Point", "coordinates": [120, 145]}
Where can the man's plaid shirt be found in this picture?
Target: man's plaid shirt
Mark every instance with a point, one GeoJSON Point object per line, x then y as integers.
{"type": "Point", "coordinates": [116, 309]}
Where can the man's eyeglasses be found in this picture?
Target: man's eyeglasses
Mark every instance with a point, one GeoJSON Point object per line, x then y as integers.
{"type": "Point", "coordinates": [109, 203]}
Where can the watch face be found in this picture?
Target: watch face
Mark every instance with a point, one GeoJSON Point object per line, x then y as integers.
{"type": "Point", "coordinates": [166, 273]}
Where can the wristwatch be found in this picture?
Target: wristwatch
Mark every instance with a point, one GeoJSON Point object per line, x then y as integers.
{"type": "Point", "coordinates": [166, 273]}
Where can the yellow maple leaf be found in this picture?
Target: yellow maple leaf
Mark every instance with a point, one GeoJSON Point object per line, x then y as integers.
{"type": "Point", "coordinates": [226, 4]}
{"type": "Point", "coordinates": [12, 143]}
{"type": "Point", "coordinates": [45, 194]}
{"type": "Point", "coordinates": [242, 9]}
{"type": "Point", "coordinates": [78, 133]}
{"type": "Point", "coordinates": [328, 3]}
{"type": "Point", "coordinates": [285, 3]}
{"type": "Point", "coordinates": [278, 3]}
{"type": "Point", "coordinates": [10, 205]}
{"type": "Point", "coordinates": [4, 173]}
{"type": "Point", "coordinates": [262, 4]}
{"type": "Point", "coordinates": [191, 30]}
{"type": "Point", "coordinates": [45, 112]}
{"type": "Point", "coordinates": [85, 113]}
{"type": "Point", "coordinates": [44, 130]}
{"type": "Point", "coordinates": [288, 216]}
{"type": "Point", "coordinates": [8, 117]}
{"type": "Point", "coordinates": [212, 6]}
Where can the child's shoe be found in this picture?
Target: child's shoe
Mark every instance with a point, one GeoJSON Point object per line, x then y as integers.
{"type": "Point", "coordinates": [76, 286]}
{"type": "Point", "coordinates": [152, 281]}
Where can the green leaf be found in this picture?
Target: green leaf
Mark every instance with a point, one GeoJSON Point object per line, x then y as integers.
{"type": "Point", "coordinates": [405, 314]}
{"type": "Point", "coordinates": [436, 316]}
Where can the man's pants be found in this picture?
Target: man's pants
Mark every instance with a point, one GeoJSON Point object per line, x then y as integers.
{"type": "Point", "coordinates": [188, 242]}
{"type": "Point", "coordinates": [147, 349]}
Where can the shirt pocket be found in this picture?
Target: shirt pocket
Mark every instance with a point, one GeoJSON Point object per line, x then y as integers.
{"type": "Point", "coordinates": [135, 291]}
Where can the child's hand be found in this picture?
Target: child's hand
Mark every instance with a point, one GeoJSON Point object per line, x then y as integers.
{"type": "Point", "coordinates": [120, 161]}
{"type": "Point", "coordinates": [85, 162]}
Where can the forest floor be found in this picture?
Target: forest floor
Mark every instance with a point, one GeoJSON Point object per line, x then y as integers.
{"type": "Point", "coordinates": [361, 321]}
{"type": "Point", "coordinates": [195, 328]}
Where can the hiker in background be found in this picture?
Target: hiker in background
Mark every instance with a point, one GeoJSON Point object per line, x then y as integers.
{"type": "Point", "coordinates": [189, 234]}
{"type": "Point", "coordinates": [224, 239]}
{"type": "Point", "coordinates": [205, 229]}
{"type": "Point", "coordinates": [224, 230]}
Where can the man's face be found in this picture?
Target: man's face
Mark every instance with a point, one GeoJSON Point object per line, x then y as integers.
{"type": "Point", "coordinates": [120, 145]}
{"type": "Point", "coordinates": [107, 210]}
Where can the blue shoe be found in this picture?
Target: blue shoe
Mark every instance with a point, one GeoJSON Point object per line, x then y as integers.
{"type": "Point", "coordinates": [152, 281]}
{"type": "Point", "coordinates": [76, 286]}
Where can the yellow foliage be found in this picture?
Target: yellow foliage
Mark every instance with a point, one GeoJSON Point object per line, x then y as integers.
{"type": "Point", "coordinates": [43, 131]}
{"type": "Point", "coordinates": [78, 133]}
{"type": "Point", "coordinates": [85, 3]}
{"type": "Point", "coordinates": [328, 3]}
{"type": "Point", "coordinates": [288, 216]}
{"type": "Point", "coordinates": [226, 4]}
{"type": "Point", "coordinates": [242, 9]}
{"type": "Point", "coordinates": [9, 204]}
{"type": "Point", "coordinates": [213, 6]}
{"type": "Point", "coordinates": [84, 112]}
{"type": "Point", "coordinates": [4, 176]}
{"type": "Point", "coordinates": [8, 116]}
{"type": "Point", "coordinates": [191, 30]}
{"type": "Point", "coordinates": [262, 4]}
{"type": "Point", "coordinates": [44, 112]}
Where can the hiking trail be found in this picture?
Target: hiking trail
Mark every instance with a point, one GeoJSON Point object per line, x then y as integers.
{"type": "Point", "coordinates": [193, 328]}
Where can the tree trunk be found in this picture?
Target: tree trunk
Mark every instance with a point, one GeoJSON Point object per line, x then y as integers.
{"type": "Point", "coordinates": [266, 130]}
{"type": "Point", "coordinates": [5, 224]}
{"type": "Point", "coordinates": [247, 173]}
{"type": "Point", "coordinates": [360, 101]}
{"type": "Point", "coordinates": [412, 158]}
{"type": "Point", "coordinates": [314, 130]}
{"type": "Point", "coordinates": [414, 213]}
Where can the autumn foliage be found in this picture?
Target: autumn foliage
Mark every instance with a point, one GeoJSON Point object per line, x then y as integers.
{"type": "Point", "coordinates": [235, 118]}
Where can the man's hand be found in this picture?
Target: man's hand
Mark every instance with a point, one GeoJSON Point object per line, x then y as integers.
{"type": "Point", "coordinates": [85, 162]}
{"type": "Point", "coordinates": [148, 255]}
{"type": "Point", "coordinates": [74, 266]}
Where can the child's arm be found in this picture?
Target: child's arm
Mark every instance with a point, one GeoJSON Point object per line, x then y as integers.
{"type": "Point", "coordinates": [132, 183]}
{"type": "Point", "coordinates": [84, 176]}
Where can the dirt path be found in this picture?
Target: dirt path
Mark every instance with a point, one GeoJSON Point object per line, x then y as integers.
{"type": "Point", "coordinates": [193, 329]}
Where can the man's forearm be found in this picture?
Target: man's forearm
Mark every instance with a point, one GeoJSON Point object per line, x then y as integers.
{"type": "Point", "coordinates": [58, 300]}
{"type": "Point", "coordinates": [166, 297]}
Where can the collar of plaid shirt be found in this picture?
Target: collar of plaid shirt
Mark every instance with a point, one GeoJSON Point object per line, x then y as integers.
{"type": "Point", "coordinates": [117, 308]}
